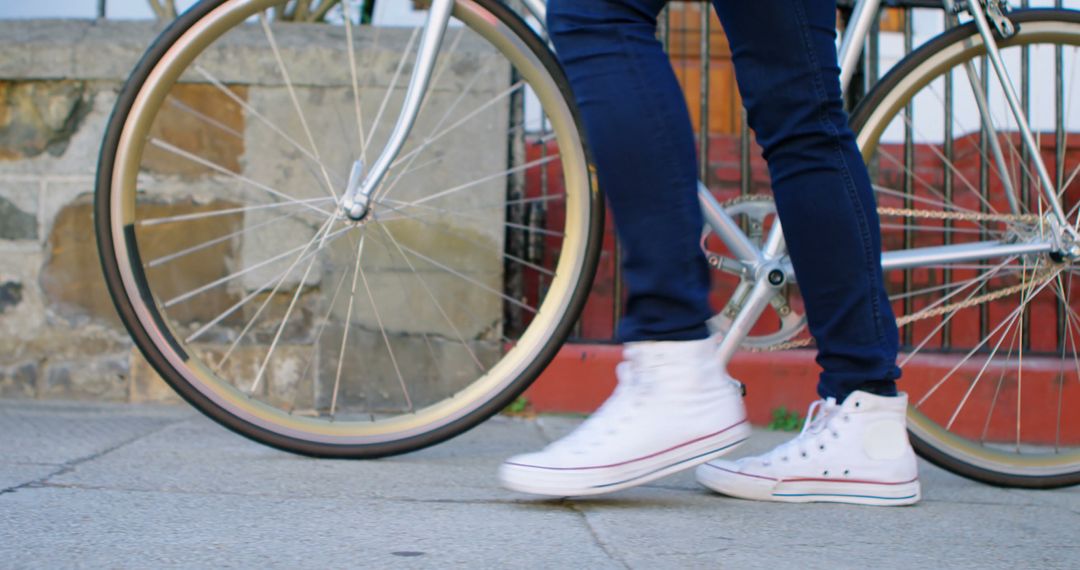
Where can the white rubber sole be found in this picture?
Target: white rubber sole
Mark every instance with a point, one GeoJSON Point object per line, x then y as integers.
{"type": "Point", "coordinates": [574, 482]}
{"type": "Point", "coordinates": [809, 490]}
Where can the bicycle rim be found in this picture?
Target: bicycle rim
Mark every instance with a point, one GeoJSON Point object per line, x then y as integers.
{"type": "Point", "coordinates": [294, 327]}
{"type": "Point", "coordinates": [989, 347]}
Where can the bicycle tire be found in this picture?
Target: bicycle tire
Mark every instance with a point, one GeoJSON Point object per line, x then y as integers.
{"type": "Point", "coordinates": [894, 92]}
{"type": "Point", "coordinates": [143, 318]}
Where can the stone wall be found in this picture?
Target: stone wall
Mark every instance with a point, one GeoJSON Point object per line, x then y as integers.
{"type": "Point", "coordinates": [59, 335]}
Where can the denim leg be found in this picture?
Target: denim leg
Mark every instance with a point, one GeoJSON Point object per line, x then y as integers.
{"type": "Point", "coordinates": [786, 67]}
{"type": "Point", "coordinates": [639, 133]}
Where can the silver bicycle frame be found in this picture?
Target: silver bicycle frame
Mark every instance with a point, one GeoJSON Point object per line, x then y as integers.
{"type": "Point", "coordinates": [357, 195]}
{"type": "Point", "coordinates": [758, 263]}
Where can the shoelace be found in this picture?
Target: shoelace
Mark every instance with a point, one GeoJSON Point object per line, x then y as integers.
{"type": "Point", "coordinates": [818, 418]}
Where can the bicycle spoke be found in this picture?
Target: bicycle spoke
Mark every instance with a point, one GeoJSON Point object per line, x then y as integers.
{"type": "Point", "coordinates": [997, 389]}
{"type": "Point", "coordinates": [318, 336]}
{"type": "Point", "coordinates": [266, 302]}
{"type": "Point", "coordinates": [981, 152]}
{"type": "Point", "coordinates": [345, 333]}
{"type": "Point", "coordinates": [212, 242]}
{"type": "Point", "coordinates": [435, 301]}
{"type": "Point", "coordinates": [222, 170]}
{"type": "Point", "coordinates": [457, 273]}
{"type": "Point", "coordinates": [396, 205]}
{"type": "Point", "coordinates": [415, 153]}
{"type": "Point", "coordinates": [431, 139]}
{"type": "Point", "coordinates": [936, 288]}
{"type": "Point", "coordinates": [916, 227]}
{"type": "Point", "coordinates": [479, 181]}
{"type": "Point", "coordinates": [281, 327]}
{"type": "Point", "coordinates": [981, 343]}
{"type": "Point", "coordinates": [296, 102]}
{"type": "Point", "coordinates": [177, 103]}
{"type": "Point", "coordinates": [986, 364]}
{"type": "Point", "coordinates": [260, 116]}
{"type": "Point", "coordinates": [983, 280]}
{"type": "Point", "coordinates": [382, 329]}
{"type": "Point", "coordinates": [223, 280]}
{"type": "Point", "coordinates": [1064, 294]}
{"type": "Point", "coordinates": [504, 254]}
{"type": "Point", "coordinates": [227, 211]}
{"type": "Point", "coordinates": [393, 84]}
{"type": "Point", "coordinates": [403, 287]}
{"type": "Point", "coordinates": [956, 171]}
{"type": "Point", "coordinates": [350, 49]}
{"type": "Point", "coordinates": [457, 214]}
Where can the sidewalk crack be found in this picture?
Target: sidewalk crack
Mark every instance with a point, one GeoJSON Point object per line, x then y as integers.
{"type": "Point", "coordinates": [69, 466]}
{"type": "Point", "coordinates": [569, 504]}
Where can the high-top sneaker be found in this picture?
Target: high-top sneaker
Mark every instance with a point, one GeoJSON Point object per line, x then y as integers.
{"type": "Point", "coordinates": [855, 452]}
{"type": "Point", "coordinates": [673, 408]}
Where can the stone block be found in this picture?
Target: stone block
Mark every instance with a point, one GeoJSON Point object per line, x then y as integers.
{"type": "Point", "coordinates": [100, 377]}
{"type": "Point", "coordinates": [287, 381]}
{"type": "Point", "coordinates": [40, 116]}
{"type": "Point", "coordinates": [108, 50]}
{"type": "Point", "coordinates": [144, 383]}
{"type": "Point", "coordinates": [22, 317]}
{"type": "Point", "coordinates": [19, 381]}
{"type": "Point", "coordinates": [202, 120]}
{"type": "Point", "coordinates": [59, 49]}
{"type": "Point", "coordinates": [10, 295]}
{"type": "Point", "coordinates": [71, 278]}
{"type": "Point", "coordinates": [78, 157]}
{"type": "Point", "coordinates": [64, 89]}
{"type": "Point", "coordinates": [431, 368]}
{"type": "Point", "coordinates": [18, 211]}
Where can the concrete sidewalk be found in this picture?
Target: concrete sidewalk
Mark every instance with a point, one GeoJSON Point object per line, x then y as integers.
{"type": "Point", "coordinates": [140, 486]}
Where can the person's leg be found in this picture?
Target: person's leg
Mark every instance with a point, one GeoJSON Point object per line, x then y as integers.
{"type": "Point", "coordinates": [673, 407]}
{"type": "Point", "coordinates": [638, 131]}
{"type": "Point", "coordinates": [786, 67]}
{"type": "Point", "coordinates": [854, 447]}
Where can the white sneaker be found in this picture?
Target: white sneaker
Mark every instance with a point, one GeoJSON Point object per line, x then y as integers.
{"type": "Point", "coordinates": [673, 408]}
{"type": "Point", "coordinates": [857, 452]}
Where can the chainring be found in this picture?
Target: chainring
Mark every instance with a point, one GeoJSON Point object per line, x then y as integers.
{"type": "Point", "coordinates": [753, 211]}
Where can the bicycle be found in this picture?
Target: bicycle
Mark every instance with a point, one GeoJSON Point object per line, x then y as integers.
{"type": "Point", "coordinates": [335, 306]}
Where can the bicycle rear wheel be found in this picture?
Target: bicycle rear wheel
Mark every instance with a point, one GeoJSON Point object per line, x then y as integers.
{"type": "Point", "coordinates": [216, 217]}
{"type": "Point", "coordinates": [990, 353]}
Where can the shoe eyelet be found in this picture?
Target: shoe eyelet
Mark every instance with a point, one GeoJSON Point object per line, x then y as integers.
{"type": "Point", "coordinates": [835, 435]}
{"type": "Point", "coordinates": [846, 472]}
{"type": "Point", "coordinates": [826, 473]}
{"type": "Point", "coordinates": [821, 447]}
{"type": "Point", "coordinates": [803, 454]}
{"type": "Point", "coordinates": [783, 459]}
{"type": "Point", "coordinates": [858, 403]}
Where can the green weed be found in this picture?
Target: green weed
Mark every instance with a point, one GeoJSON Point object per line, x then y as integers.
{"type": "Point", "coordinates": [784, 419]}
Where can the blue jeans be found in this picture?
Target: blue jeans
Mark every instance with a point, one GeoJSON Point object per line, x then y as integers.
{"type": "Point", "coordinates": [639, 132]}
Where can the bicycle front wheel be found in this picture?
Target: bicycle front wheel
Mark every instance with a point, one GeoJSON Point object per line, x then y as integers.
{"type": "Point", "coordinates": [225, 254]}
{"type": "Point", "coordinates": [989, 344]}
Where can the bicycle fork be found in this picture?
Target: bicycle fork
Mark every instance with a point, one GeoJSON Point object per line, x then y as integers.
{"type": "Point", "coordinates": [356, 201]}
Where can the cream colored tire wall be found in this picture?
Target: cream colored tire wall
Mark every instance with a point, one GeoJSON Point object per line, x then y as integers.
{"type": "Point", "coordinates": [869, 120]}
{"type": "Point", "coordinates": [114, 213]}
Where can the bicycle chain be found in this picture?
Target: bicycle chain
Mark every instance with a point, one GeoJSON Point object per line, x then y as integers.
{"type": "Point", "coordinates": [926, 313]}
{"type": "Point", "coordinates": [963, 216]}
